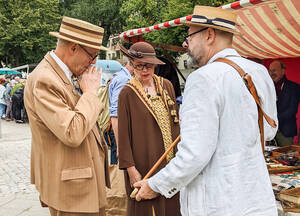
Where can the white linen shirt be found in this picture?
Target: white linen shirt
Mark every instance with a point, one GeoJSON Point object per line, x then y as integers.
{"type": "Point", "coordinates": [219, 168]}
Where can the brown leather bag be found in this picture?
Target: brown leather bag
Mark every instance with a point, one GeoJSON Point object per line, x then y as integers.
{"type": "Point", "coordinates": [251, 87]}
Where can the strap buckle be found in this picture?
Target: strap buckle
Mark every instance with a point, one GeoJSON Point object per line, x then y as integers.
{"type": "Point", "coordinates": [245, 79]}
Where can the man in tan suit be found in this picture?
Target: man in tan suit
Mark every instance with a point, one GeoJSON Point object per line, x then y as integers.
{"type": "Point", "coordinates": [68, 156]}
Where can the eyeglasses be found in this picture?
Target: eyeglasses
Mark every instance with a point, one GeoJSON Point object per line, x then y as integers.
{"type": "Point", "coordinates": [187, 36]}
{"type": "Point", "coordinates": [92, 58]}
{"type": "Point", "coordinates": [141, 66]}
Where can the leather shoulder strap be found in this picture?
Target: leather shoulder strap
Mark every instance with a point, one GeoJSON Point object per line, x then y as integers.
{"type": "Point", "coordinates": [251, 87]}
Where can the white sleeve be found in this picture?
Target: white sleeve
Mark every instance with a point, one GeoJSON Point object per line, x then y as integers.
{"type": "Point", "coordinates": [199, 116]}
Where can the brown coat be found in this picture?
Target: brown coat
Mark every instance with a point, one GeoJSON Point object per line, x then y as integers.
{"type": "Point", "coordinates": [141, 145]}
{"type": "Point", "coordinates": [68, 156]}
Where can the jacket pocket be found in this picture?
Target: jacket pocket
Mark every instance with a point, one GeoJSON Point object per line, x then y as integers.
{"type": "Point", "coordinates": [196, 197]}
{"type": "Point", "coordinates": [76, 173]}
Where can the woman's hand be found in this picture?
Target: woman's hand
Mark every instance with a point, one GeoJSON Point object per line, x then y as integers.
{"type": "Point", "coordinates": [134, 175]}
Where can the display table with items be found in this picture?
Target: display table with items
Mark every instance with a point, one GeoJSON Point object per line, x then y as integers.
{"type": "Point", "coordinates": [284, 167]}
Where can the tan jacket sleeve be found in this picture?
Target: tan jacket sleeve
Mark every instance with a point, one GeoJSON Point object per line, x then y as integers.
{"type": "Point", "coordinates": [71, 126]}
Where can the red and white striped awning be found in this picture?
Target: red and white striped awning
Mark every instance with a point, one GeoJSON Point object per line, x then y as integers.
{"type": "Point", "coordinates": [269, 28]}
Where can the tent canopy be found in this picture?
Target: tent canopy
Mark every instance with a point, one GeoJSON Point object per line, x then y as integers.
{"type": "Point", "coordinates": [270, 29]}
{"type": "Point", "coordinates": [109, 65]}
{"type": "Point", "coordinates": [7, 70]}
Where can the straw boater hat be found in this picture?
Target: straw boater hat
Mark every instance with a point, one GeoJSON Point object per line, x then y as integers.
{"type": "Point", "coordinates": [215, 18]}
{"type": "Point", "coordinates": [142, 51]}
{"type": "Point", "coordinates": [80, 32]}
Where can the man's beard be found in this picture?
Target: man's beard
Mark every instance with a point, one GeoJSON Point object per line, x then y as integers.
{"type": "Point", "coordinates": [192, 61]}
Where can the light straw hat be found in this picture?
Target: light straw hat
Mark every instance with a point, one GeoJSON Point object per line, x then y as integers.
{"type": "Point", "coordinates": [214, 18]}
{"type": "Point", "coordinates": [80, 32]}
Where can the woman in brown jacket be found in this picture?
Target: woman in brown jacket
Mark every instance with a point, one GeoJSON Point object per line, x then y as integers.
{"type": "Point", "coordinates": [148, 124]}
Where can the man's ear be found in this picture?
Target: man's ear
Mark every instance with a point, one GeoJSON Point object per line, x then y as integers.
{"type": "Point", "coordinates": [72, 48]}
{"type": "Point", "coordinates": [211, 36]}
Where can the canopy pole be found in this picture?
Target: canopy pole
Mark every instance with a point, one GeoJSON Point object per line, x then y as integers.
{"type": "Point", "coordinates": [176, 22]}
{"type": "Point", "coordinates": [174, 65]}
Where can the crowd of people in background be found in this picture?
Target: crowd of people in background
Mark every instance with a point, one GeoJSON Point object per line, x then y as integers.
{"type": "Point", "coordinates": [11, 99]}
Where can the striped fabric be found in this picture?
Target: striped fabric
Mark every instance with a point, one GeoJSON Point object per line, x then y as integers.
{"type": "Point", "coordinates": [214, 22]}
{"type": "Point", "coordinates": [80, 33]}
{"type": "Point", "coordinates": [269, 28]}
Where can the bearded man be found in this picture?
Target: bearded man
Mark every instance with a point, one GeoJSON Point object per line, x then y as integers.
{"type": "Point", "coordinates": [219, 168]}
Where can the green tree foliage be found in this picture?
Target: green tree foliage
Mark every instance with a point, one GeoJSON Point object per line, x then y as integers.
{"type": "Point", "coordinates": [143, 13]}
{"type": "Point", "coordinates": [25, 24]}
{"type": "Point", "coordinates": [24, 30]}
{"type": "Point", "coordinates": [139, 13]}
{"type": "Point", "coordinates": [99, 12]}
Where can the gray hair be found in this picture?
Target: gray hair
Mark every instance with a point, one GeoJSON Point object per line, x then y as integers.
{"type": "Point", "coordinates": [62, 42]}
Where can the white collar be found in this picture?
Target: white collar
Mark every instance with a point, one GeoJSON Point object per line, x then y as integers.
{"type": "Point", "coordinates": [126, 71]}
{"type": "Point", "coordinates": [223, 53]}
{"type": "Point", "coordinates": [62, 65]}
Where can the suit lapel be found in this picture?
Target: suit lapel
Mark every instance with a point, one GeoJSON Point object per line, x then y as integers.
{"type": "Point", "coordinates": [62, 75]}
{"type": "Point", "coordinates": [59, 72]}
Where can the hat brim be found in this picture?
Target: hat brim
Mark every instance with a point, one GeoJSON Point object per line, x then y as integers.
{"type": "Point", "coordinates": [56, 34]}
{"type": "Point", "coordinates": [189, 23]}
{"type": "Point", "coordinates": [146, 59]}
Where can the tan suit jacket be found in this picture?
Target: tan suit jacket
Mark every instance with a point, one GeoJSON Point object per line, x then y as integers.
{"type": "Point", "coordinates": [68, 156]}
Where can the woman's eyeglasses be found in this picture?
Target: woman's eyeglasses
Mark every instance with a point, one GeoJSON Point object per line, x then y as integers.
{"type": "Point", "coordinates": [142, 66]}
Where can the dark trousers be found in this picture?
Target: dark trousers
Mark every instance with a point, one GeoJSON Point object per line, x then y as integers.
{"type": "Point", "coordinates": [17, 106]}
{"type": "Point", "coordinates": [283, 140]}
{"type": "Point", "coordinates": [9, 114]}
{"type": "Point", "coordinates": [109, 137]}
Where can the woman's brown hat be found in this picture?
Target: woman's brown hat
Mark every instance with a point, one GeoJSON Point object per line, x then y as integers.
{"type": "Point", "coordinates": [80, 32]}
{"type": "Point", "coordinates": [215, 18]}
{"type": "Point", "coordinates": [142, 51]}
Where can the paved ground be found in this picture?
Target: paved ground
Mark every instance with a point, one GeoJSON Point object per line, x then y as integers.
{"type": "Point", "coordinates": [17, 196]}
